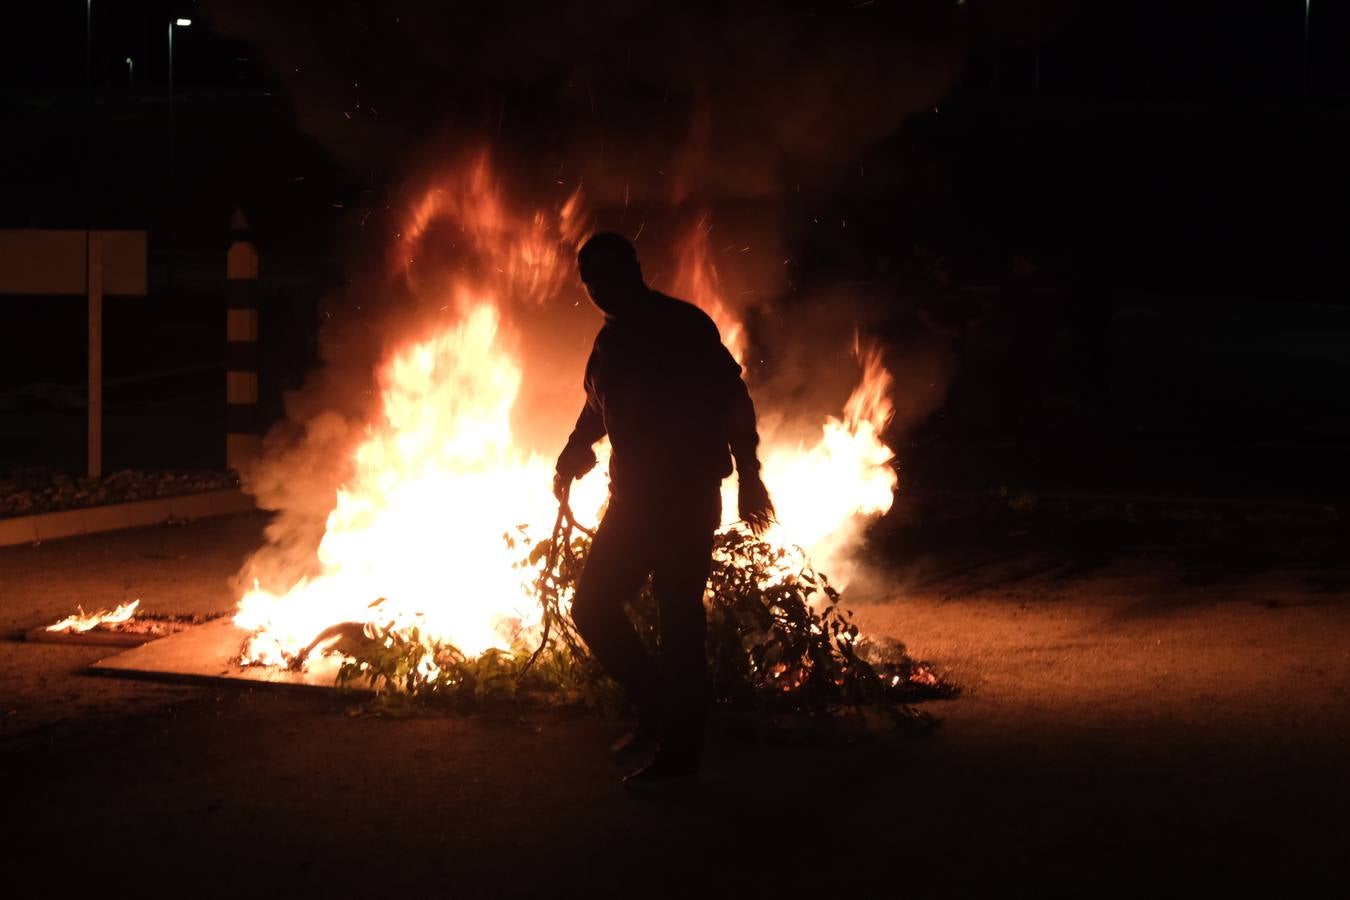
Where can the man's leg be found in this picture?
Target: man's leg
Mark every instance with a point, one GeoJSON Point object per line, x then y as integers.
{"type": "Point", "coordinates": [679, 579]}
{"type": "Point", "coordinates": [615, 569]}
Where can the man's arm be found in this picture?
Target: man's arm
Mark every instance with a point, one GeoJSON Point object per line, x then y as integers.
{"type": "Point", "coordinates": [754, 505]}
{"type": "Point", "coordinates": [577, 457]}
{"type": "Point", "coordinates": [730, 394]}
{"type": "Point", "coordinates": [742, 427]}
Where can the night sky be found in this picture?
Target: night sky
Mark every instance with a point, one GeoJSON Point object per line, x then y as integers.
{"type": "Point", "coordinates": [1169, 150]}
{"type": "Point", "coordinates": [320, 108]}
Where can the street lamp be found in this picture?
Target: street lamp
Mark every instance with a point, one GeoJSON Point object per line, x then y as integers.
{"type": "Point", "coordinates": [174, 23]}
{"type": "Point", "coordinates": [131, 72]}
{"type": "Point", "coordinates": [1307, 12]}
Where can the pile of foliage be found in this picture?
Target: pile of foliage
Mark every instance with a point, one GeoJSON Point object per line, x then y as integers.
{"type": "Point", "coordinates": [778, 640]}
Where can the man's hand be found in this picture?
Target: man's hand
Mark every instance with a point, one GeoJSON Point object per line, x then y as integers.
{"type": "Point", "coordinates": [755, 507]}
{"type": "Point", "coordinates": [573, 463]}
{"type": "Point", "coordinates": [562, 487]}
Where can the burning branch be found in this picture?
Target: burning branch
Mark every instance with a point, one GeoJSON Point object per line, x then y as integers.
{"type": "Point", "coordinates": [560, 553]}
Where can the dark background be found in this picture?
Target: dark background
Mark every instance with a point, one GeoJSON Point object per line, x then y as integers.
{"type": "Point", "coordinates": [1126, 217]}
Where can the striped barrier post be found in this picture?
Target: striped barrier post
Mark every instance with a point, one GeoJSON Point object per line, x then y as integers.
{"type": "Point", "coordinates": [242, 441]}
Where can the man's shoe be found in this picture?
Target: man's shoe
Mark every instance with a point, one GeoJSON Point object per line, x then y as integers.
{"type": "Point", "coordinates": [640, 739]}
{"type": "Point", "coordinates": [663, 774]}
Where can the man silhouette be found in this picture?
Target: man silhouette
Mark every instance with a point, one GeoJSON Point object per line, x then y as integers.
{"type": "Point", "coordinates": [660, 383]}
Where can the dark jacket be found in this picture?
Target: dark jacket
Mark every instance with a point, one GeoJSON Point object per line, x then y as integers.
{"type": "Point", "coordinates": [660, 383]}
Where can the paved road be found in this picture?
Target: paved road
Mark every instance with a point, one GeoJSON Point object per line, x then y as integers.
{"type": "Point", "coordinates": [1157, 706]}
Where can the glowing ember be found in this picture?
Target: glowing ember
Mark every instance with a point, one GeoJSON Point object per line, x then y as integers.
{"type": "Point", "coordinates": [415, 535]}
{"type": "Point", "coordinates": [82, 621]}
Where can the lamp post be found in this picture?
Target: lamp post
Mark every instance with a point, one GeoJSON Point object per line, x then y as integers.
{"type": "Point", "coordinates": [173, 224]}
{"type": "Point", "coordinates": [1307, 11]}
{"type": "Point", "coordinates": [131, 72]}
{"type": "Point", "coordinates": [93, 272]}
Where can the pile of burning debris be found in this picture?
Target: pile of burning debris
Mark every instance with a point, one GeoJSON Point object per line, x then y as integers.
{"type": "Point", "coordinates": [38, 490]}
{"type": "Point", "coordinates": [778, 641]}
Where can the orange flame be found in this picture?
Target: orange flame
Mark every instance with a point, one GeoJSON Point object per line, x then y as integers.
{"type": "Point", "coordinates": [825, 492]}
{"type": "Point", "coordinates": [698, 281]}
{"type": "Point", "coordinates": [530, 253]}
{"type": "Point", "coordinates": [82, 621]}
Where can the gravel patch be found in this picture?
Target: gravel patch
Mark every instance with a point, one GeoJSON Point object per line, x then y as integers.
{"type": "Point", "coordinates": [26, 492]}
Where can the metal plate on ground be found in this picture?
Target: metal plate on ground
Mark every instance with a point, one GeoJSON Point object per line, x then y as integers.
{"type": "Point", "coordinates": [207, 653]}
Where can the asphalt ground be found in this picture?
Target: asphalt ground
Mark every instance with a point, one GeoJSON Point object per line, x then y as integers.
{"type": "Point", "coordinates": [1152, 704]}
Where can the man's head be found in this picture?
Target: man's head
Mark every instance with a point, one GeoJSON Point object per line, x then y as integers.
{"type": "Point", "coordinates": [609, 267]}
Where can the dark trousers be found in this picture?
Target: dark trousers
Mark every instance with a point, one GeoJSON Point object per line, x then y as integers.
{"type": "Point", "coordinates": [670, 538]}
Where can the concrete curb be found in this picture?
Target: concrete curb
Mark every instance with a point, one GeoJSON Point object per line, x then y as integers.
{"type": "Point", "coordinates": [115, 516]}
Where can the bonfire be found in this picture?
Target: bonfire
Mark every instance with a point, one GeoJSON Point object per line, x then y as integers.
{"type": "Point", "coordinates": [446, 568]}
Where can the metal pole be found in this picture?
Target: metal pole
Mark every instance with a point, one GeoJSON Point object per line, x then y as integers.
{"type": "Point", "coordinates": [93, 275]}
{"type": "Point", "coordinates": [94, 284]}
{"type": "Point", "coordinates": [1307, 12]}
{"type": "Point", "coordinates": [172, 184]}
